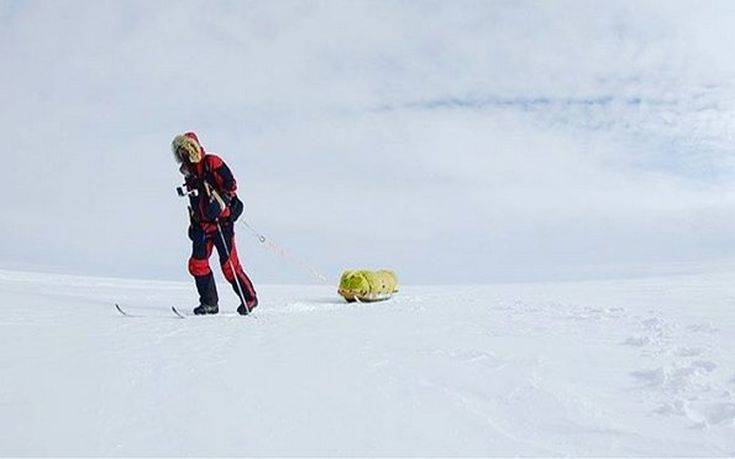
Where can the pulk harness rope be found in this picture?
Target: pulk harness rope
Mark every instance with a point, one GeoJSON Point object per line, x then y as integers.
{"type": "Point", "coordinates": [286, 255]}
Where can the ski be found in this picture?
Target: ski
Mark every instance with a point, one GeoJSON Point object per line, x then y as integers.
{"type": "Point", "coordinates": [125, 313]}
{"type": "Point", "coordinates": [178, 314]}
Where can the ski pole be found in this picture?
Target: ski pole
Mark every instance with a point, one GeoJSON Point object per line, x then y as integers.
{"type": "Point", "coordinates": [232, 267]}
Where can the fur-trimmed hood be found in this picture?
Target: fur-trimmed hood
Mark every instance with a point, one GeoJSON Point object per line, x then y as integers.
{"type": "Point", "coordinates": [187, 146]}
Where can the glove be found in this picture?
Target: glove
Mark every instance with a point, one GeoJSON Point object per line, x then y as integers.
{"type": "Point", "coordinates": [236, 208]}
{"type": "Point", "coordinates": [213, 210]}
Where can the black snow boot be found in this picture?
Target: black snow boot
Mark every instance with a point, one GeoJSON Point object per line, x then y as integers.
{"type": "Point", "coordinates": [203, 309]}
{"type": "Point", "coordinates": [243, 311]}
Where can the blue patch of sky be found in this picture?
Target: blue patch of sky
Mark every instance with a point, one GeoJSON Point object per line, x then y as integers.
{"type": "Point", "coordinates": [9, 10]}
{"type": "Point", "coordinates": [676, 150]}
{"type": "Point", "coordinates": [537, 102]}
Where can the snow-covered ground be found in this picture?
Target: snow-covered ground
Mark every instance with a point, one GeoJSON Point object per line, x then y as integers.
{"type": "Point", "coordinates": [624, 367]}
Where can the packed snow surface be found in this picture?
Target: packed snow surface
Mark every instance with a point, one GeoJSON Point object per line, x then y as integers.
{"type": "Point", "coordinates": [623, 367]}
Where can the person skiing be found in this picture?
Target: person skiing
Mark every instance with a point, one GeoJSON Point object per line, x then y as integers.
{"type": "Point", "coordinates": [214, 208]}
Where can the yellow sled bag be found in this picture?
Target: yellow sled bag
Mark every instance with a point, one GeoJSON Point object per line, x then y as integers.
{"type": "Point", "coordinates": [366, 285]}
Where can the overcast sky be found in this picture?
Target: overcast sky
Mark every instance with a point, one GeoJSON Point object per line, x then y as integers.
{"type": "Point", "coordinates": [451, 141]}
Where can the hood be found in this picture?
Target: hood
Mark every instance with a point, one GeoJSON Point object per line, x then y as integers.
{"type": "Point", "coordinates": [187, 147]}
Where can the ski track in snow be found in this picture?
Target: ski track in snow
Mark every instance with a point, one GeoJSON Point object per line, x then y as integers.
{"type": "Point", "coordinates": [625, 367]}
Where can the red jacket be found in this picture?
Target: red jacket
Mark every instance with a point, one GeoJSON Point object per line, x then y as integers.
{"type": "Point", "coordinates": [212, 170]}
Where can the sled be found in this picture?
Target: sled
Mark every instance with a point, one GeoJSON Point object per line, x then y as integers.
{"type": "Point", "coordinates": [367, 286]}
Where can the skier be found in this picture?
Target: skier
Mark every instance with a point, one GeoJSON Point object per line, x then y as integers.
{"type": "Point", "coordinates": [214, 207]}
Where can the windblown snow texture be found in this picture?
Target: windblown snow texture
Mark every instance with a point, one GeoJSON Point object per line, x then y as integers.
{"type": "Point", "coordinates": [637, 367]}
